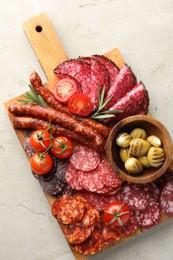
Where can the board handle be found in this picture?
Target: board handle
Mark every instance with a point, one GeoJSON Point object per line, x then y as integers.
{"type": "Point", "coordinates": [46, 45]}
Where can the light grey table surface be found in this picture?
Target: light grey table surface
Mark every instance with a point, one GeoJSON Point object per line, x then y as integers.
{"type": "Point", "coordinates": [143, 31]}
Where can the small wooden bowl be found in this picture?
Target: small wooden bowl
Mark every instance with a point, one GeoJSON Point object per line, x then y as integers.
{"type": "Point", "coordinates": [152, 127]}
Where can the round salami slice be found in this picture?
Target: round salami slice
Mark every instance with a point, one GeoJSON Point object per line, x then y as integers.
{"type": "Point", "coordinates": [109, 234]}
{"type": "Point", "coordinates": [85, 159]}
{"type": "Point", "coordinates": [150, 216]}
{"type": "Point", "coordinates": [68, 210]}
{"type": "Point", "coordinates": [73, 178]}
{"type": "Point", "coordinates": [92, 245]}
{"type": "Point", "coordinates": [77, 234]}
{"type": "Point", "coordinates": [135, 196]}
{"type": "Point", "coordinates": [130, 227]}
{"type": "Point", "coordinates": [91, 181]}
{"type": "Point", "coordinates": [108, 176]}
{"type": "Point", "coordinates": [153, 190]}
{"type": "Point", "coordinates": [104, 190]}
{"type": "Point", "coordinates": [166, 198]}
{"type": "Point", "coordinates": [90, 216]}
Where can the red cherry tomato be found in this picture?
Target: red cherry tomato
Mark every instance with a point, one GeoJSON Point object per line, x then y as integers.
{"type": "Point", "coordinates": [64, 89]}
{"type": "Point", "coordinates": [41, 163]}
{"type": "Point", "coordinates": [80, 104]}
{"type": "Point", "coordinates": [40, 140]}
{"type": "Point", "coordinates": [62, 147]}
{"type": "Point", "coordinates": [116, 213]}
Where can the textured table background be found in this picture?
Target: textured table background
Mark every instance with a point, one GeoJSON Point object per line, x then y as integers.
{"type": "Point", "coordinates": [143, 31]}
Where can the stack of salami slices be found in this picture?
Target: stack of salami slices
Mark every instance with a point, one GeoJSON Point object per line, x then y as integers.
{"type": "Point", "coordinates": [97, 72]}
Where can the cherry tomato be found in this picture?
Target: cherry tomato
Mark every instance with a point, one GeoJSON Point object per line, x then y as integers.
{"type": "Point", "coordinates": [64, 89]}
{"type": "Point", "coordinates": [80, 104]}
{"type": "Point", "coordinates": [62, 147]}
{"type": "Point", "coordinates": [41, 163]}
{"type": "Point", "coordinates": [40, 140]}
{"type": "Point", "coordinates": [116, 213]}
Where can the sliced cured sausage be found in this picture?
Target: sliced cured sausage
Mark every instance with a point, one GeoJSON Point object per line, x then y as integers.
{"type": "Point", "coordinates": [130, 103]}
{"type": "Point", "coordinates": [108, 233]}
{"type": "Point", "coordinates": [91, 181]}
{"type": "Point", "coordinates": [73, 178]}
{"type": "Point", "coordinates": [150, 216]}
{"type": "Point", "coordinates": [124, 82]}
{"type": "Point", "coordinates": [90, 217]}
{"type": "Point", "coordinates": [143, 109]}
{"type": "Point", "coordinates": [135, 196]}
{"type": "Point", "coordinates": [27, 147]}
{"type": "Point", "coordinates": [131, 226]}
{"type": "Point", "coordinates": [77, 234]}
{"type": "Point", "coordinates": [90, 246]}
{"type": "Point", "coordinates": [111, 67]}
{"type": "Point", "coordinates": [68, 210]}
{"type": "Point", "coordinates": [85, 159]}
{"type": "Point", "coordinates": [166, 198]}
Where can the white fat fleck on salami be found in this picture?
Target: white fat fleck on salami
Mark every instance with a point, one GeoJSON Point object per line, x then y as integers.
{"type": "Point", "coordinates": [135, 196]}
{"type": "Point", "coordinates": [72, 178]}
{"type": "Point", "coordinates": [123, 83]}
{"type": "Point", "coordinates": [150, 216]}
{"type": "Point", "coordinates": [85, 159]}
{"type": "Point", "coordinates": [166, 198]}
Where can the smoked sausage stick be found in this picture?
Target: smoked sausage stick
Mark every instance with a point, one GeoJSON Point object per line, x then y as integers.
{"type": "Point", "coordinates": [59, 118]}
{"type": "Point", "coordinates": [36, 123]}
{"type": "Point", "coordinates": [49, 98]}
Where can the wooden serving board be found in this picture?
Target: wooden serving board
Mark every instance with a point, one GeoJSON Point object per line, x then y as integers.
{"type": "Point", "coordinates": [50, 53]}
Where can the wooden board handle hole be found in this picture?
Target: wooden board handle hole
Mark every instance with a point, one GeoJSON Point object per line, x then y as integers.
{"type": "Point", "coordinates": [38, 28]}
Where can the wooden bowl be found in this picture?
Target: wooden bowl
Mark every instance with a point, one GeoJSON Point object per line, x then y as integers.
{"type": "Point", "coordinates": [152, 127]}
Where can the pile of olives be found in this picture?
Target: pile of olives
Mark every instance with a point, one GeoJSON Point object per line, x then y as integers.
{"type": "Point", "coordinates": [137, 151]}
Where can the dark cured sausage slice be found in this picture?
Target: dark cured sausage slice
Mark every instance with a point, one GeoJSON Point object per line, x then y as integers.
{"type": "Point", "coordinates": [130, 103]}
{"type": "Point", "coordinates": [85, 159]}
{"type": "Point", "coordinates": [68, 210]}
{"type": "Point", "coordinates": [166, 198]}
{"type": "Point", "coordinates": [77, 234]}
{"type": "Point", "coordinates": [99, 79]}
{"type": "Point", "coordinates": [124, 82]}
{"type": "Point", "coordinates": [150, 216]}
{"type": "Point", "coordinates": [135, 196]}
{"type": "Point", "coordinates": [111, 67]}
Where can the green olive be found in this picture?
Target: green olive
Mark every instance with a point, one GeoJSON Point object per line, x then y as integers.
{"type": "Point", "coordinates": [123, 139]}
{"type": "Point", "coordinates": [124, 154]}
{"type": "Point", "coordinates": [154, 141]}
{"type": "Point", "coordinates": [139, 147]}
{"type": "Point", "coordinates": [132, 165]}
{"type": "Point", "coordinates": [138, 133]}
{"type": "Point", "coordinates": [156, 156]}
{"type": "Point", "coordinates": [144, 161]}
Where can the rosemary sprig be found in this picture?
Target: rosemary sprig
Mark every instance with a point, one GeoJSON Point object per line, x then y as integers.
{"type": "Point", "coordinates": [99, 114]}
{"type": "Point", "coordinates": [33, 97]}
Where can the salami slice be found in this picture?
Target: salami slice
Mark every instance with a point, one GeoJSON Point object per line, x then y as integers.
{"type": "Point", "coordinates": [129, 104]}
{"type": "Point", "coordinates": [99, 79]}
{"type": "Point", "coordinates": [77, 234]}
{"type": "Point", "coordinates": [143, 109]}
{"type": "Point", "coordinates": [90, 217]}
{"type": "Point", "coordinates": [78, 69]}
{"type": "Point", "coordinates": [164, 179]}
{"type": "Point", "coordinates": [150, 216]}
{"type": "Point", "coordinates": [109, 234]}
{"type": "Point", "coordinates": [91, 181]}
{"type": "Point", "coordinates": [111, 67]}
{"type": "Point", "coordinates": [124, 82]}
{"type": "Point", "coordinates": [113, 191]}
{"type": "Point", "coordinates": [108, 176]}
{"type": "Point", "coordinates": [166, 198]}
{"type": "Point", "coordinates": [73, 178]}
{"type": "Point", "coordinates": [130, 227]}
{"type": "Point", "coordinates": [68, 210]}
{"type": "Point", "coordinates": [135, 196]}
{"type": "Point", "coordinates": [104, 190]}
{"type": "Point", "coordinates": [153, 190]}
{"type": "Point", "coordinates": [27, 147]}
{"type": "Point", "coordinates": [90, 246]}
{"type": "Point", "coordinates": [85, 159]}
{"type": "Point", "coordinates": [67, 191]}
{"type": "Point", "coordinates": [66, 76]}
